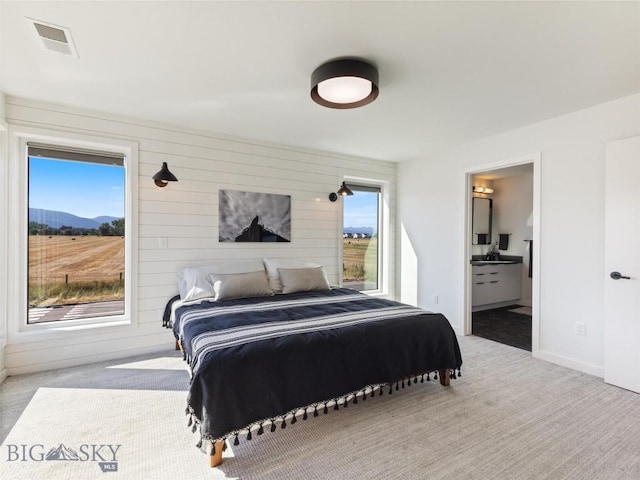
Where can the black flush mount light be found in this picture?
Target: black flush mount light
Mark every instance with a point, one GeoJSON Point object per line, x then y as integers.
{"type": "Point", "coordinates": [164, 176]}
{"type": "Point", "coordinates": [343, 191]}
{"type": "Point", "coordinates": [347, 83]}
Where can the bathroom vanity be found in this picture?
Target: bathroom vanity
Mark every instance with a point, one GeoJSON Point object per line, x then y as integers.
{"type": "Point", "coordinates": [495, 282]}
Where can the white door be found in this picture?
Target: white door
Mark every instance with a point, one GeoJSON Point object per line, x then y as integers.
{"type": "Point", "coordinates": [622, 263]}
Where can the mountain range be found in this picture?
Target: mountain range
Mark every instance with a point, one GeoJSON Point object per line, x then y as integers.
{"type": "Point", "coordinates": [58, 219]}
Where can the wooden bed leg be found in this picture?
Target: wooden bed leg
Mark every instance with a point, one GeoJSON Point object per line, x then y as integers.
{"type": "Point", "coordinates": [444, 377]}
{"type": "Point", "coordinates": [177, 345]}
{"type": "Point", "coordinates": [216, 459]}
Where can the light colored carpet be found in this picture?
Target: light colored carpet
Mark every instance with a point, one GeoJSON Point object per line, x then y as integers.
{"type": "Point", "coordinates": [508, 417]}
{"type": "Point", "coordinates": [522, 310]}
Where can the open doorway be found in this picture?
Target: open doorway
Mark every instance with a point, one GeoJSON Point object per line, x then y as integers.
{"type": "Point", "coordinates": [500, 254]}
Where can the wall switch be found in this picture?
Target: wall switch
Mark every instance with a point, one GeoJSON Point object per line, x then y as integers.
{"type": "Point", "coordinates": [163, 242]}
{"type": "Point", "coordinates": [580, 328]}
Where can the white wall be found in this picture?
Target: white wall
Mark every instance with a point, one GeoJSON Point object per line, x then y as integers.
{"type": "Point", "coordinates": [431, 211]}
{"type": "Point", "coordinates": [186, 213]}
{"type": "Point", "coordinates": [512, 207]}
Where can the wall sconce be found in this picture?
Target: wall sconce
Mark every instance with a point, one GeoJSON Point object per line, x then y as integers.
{"type": "Point", "coordinates": [343, 191]}
{"type": "Point", "coordinates": [164, 176]}
{"type": "Point", "coordinates": [478, 189]}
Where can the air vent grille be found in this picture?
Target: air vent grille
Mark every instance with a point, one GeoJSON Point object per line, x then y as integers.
{"type": "Point", "coordinates": [51, 33]}
{"type": "Point", "coordinates": [54, 38]}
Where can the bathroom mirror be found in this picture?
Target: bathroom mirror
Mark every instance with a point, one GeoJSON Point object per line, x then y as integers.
{"type": "Point", "coordinates": [481, 221]}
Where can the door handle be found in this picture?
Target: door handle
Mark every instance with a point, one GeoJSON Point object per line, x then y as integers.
{"type": "Point", "coordinates": [618, 276]}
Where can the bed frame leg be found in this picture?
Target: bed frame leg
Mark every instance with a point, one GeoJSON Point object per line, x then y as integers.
{"type": "Point", "coordinates": [177, 345]}
{"type": "Point", "coordinates": [216, 459]}
{"type": "Point", "coordinates": [444, 377]}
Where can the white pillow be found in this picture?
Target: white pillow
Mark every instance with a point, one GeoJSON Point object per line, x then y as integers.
{"type": "Point", "coordinates": [240, 285]}
{"type": "Point", "coordinates": [303, 279]}
{"type": "Point", "coordinates": [272, 265]}
{"type": "Point", "coordinates": [194, 282]}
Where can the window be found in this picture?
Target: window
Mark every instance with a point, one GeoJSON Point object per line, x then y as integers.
{"type": "Point", "coordinates": [76, 240]}
{"type": "Point", "coordinates": [361, 245]}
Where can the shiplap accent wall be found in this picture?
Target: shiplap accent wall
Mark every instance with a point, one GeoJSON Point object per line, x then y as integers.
{"type": "Point", "coordinates": [186, 214]}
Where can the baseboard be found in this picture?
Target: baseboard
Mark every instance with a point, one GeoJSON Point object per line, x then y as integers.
{"type": "Point", "coordinates": [458, 330]}
{"type": "Point", "coordinates": [3, 375]}
{"type": "Point", "coordinates": [77, 361]}
{"type": "Point", "coordinates": [588, 368]}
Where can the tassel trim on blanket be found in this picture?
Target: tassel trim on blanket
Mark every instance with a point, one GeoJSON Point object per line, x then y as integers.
{"type": "Point", "coordinates": [315, 409]}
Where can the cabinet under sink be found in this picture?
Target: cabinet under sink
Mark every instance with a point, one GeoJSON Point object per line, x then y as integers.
{"type": "Point", "coordinates": [495, 281]}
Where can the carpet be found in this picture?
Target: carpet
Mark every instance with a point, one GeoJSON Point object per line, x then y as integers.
{"type": "Point", "coordinates": [508, 417]}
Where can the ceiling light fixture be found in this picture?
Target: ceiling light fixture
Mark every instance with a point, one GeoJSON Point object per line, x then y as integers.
{"type": "Point", "coordinates": [344, 84]}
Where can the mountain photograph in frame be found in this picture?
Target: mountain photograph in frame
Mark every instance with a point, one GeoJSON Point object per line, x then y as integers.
{"type": "Point", "coordinates": [253, 217]}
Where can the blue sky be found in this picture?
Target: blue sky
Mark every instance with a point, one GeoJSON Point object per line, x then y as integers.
{"type": "Point", "coordinates": [84, 189]}
{"type": "Point", "coordinates": [91, 190]}
{"type": "Point", "coordinates": [361, 210]}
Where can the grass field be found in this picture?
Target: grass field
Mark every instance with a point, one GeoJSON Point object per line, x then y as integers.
{"type": "Point", "coordinates": [359, 259]}
{"type": "Point", "coordinates": [66, 270]}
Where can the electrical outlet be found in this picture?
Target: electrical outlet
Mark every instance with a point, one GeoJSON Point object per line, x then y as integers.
{"type": "Point", "coordinates": [580, 328]}
{"type": "Point", "coordinates": [435, 299]}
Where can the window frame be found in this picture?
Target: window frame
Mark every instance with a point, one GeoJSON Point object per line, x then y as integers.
{"type": "Point", "coordinates": [19, 328]}
{"type": "Point", "coordinates": [383, 232]}
{"type": "Point", "coordinates": [4, 212]}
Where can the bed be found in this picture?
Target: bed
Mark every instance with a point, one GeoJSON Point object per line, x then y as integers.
{"type": "Point", "coordinates": [260, 363]}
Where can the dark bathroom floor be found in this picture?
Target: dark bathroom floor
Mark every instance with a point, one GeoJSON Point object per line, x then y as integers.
{"type": "Point", "coordinates": [504, 326]}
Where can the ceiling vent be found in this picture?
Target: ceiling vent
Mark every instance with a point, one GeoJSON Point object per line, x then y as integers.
{"type": "Point", "coordinates": [55, 38]}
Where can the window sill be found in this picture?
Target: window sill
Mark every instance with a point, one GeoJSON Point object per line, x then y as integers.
{"type": "Point", "coordinates": [375, 293]}
{"type": "Point", "coordinates": [42, 332]}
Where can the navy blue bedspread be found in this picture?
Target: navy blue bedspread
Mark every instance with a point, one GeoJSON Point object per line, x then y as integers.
{"type": "Point", "coordinates": [256, 359]}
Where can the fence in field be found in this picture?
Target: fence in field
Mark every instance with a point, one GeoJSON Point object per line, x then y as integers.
{"type": "Point", "coordinates": [70, 278]}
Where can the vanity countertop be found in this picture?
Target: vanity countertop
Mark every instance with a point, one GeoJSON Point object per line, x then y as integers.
{"type": "Point", "coordinates": [504, 260]}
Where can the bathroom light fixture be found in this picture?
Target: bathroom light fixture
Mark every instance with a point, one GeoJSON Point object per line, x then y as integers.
{"type": "Point", "coordinates": [347, 83]}
{"type": "Point", "coordinates": [343, 191]}
{"type": "Point", "coordinates": [164, 176]}
{"type": "Point", "coordinates": [479, 189]}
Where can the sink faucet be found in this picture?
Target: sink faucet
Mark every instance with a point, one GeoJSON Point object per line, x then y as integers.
{"type": "Point", "coordinates": [493, 253]}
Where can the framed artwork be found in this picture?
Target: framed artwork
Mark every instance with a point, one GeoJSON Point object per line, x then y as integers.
{"type": "Point", "coordinates": [254, 217]}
